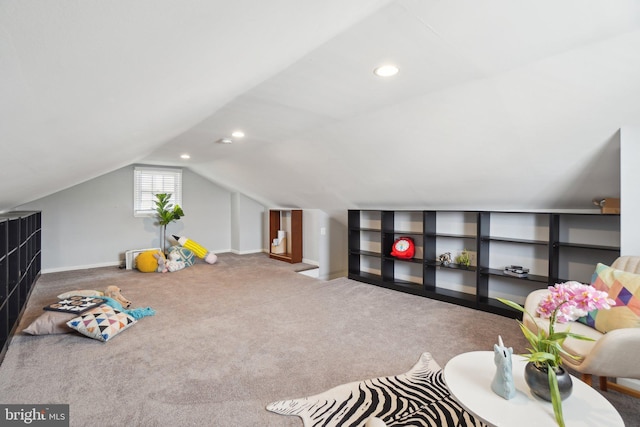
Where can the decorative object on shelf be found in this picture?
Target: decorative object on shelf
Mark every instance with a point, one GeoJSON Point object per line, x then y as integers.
{"type": "Point", "coordinates": [279, 244]}
{"type": "Point", "coordinates": [166, 213]}
{"type": "Point", "coordinates": [403, 248]}
{"type": "Point", "coordinates": [516, 271]}
{"type": "Point", "coordinates": [565, 302]}
{"type": "Point", "coordinates": [445, 258]}
{"type": "Point", "coordinates": [464, 259]}
{"type": "Point", "coordinates": [502, 383]}
{"type": "Point", "coordinates": [608, 205]}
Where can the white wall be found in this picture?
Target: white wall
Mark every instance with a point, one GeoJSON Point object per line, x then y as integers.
{"type": "Point", "coordinates": [325, 242]}
{"type": "Point", "coordinates": [312, 220]}
{"type": "Point", "coordinates": [247, 224]}
{"type": "Point", "coordinates": [629, 193]}
{"type": "Point", "coordinates": [315, 244]}
{"type": "Point", "coordinates": [92, 224]}
{"type": "Point", "coordinates": [629, 203]}
{"type": "Point", "coordinates": [335, 245]}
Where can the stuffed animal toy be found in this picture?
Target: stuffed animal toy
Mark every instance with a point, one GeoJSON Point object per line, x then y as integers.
{"type": "Point", "coordinates": [147, 262]}
{"type": "Point", "coordinates": [197, 249]}
{"type": "Point", "coordinates": [174, 263]}
{"type": "Point", "coordinates": [114, 292]}
{"type": "Point", "coordinates": [160, 262]}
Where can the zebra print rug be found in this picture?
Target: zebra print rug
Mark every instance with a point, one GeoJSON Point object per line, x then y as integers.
{"type": "Point", "coordinates": [417, 398]}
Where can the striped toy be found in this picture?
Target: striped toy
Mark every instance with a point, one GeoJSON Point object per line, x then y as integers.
{"type": "Point", "coordinates": [199, 250]}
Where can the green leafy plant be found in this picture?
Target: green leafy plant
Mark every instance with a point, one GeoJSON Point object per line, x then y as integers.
{"type": "Point", "coordinates": [464, 259]}
{"type": "Point", "coordinates": [166, 212]}
{"type": "Point", "coordinates": [565, 302]}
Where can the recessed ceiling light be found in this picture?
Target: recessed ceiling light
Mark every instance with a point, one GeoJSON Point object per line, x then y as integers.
{"type": "Point", "coordinates": [386, 70]}
{"type": "Point", "coordinates": [225, 141]}
{"type": "Point", "coordinates": [237, 134]}
{"type": "Point", "coordinates": [185, 156]}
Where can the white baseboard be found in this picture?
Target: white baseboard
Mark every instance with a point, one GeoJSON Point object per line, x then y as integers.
{"type": "Point", "coordinates": [81, 267]}
{"type": "Point", "coordinates": [314, 272]}
{"type": "Point", "coordinates": [252, 251]}
{"type": "Point", "coordinates": [119, 263]}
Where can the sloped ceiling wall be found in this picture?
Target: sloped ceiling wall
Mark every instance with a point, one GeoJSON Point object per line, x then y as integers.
{"type": "Point", "coordinates": [498, 104]}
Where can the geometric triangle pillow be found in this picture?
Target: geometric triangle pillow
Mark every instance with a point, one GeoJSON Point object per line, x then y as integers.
{"type": "Point", "coordinates": [102, 323]}
{"type": "Point", "coordinates": [622, 287]}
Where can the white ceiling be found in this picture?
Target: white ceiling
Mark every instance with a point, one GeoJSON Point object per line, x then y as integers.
{"type": "Point", "coordinates": [498, 104]}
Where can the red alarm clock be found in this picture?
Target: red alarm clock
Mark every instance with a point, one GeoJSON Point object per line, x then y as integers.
{"type": "Point", "coordinates": [403, 247]}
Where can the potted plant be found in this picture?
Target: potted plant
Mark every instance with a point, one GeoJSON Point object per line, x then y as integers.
{"type": "Point", "coordinates": [565, 302]}
{"type": "Point", "coordinates": [464, 259]}
{"type": "Point", "coordinates": [166, 213]}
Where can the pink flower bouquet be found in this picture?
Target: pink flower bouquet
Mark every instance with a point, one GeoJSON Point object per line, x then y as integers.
{"type": "Point", "coordinates": [565, 302]}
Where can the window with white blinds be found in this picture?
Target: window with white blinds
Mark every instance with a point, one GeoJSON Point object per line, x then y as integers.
{"type": "Point", "coordinates": [147, 182]}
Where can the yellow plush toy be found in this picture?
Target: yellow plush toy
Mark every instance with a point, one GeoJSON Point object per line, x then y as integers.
{"type": "Point", "coordinates": [195, 247]}
{"type": "Point", "coordinates": [147, 262]}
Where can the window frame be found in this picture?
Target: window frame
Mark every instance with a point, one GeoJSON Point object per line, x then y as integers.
{"type": "Point", "coordinates": [149, 181]}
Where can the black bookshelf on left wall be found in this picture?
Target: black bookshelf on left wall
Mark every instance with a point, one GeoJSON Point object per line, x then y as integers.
{"type": "Point", "coordinates": [20, 263]}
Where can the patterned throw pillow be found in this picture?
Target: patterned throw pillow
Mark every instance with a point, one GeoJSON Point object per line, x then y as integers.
{"type": "Point", "coordinates": [185, 254]}
{"type": "Point", "coordinates": [624, 288]}
{"type": "Point", "coordinates": [102, 323]}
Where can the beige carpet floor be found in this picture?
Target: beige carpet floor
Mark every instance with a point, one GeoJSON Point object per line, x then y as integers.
{"type": "Point", "coordinates": [230, 338]}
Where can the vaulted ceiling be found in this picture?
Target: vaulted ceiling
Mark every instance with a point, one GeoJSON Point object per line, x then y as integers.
{"type": "Point", "coordinates": [498, 104]}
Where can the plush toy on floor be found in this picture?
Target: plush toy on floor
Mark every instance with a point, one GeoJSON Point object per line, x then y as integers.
{"type": "Point", "coordinates": [197, 249]}
{"type": "Point", "coordinates": [174, 263]}
{"type": "Point", "coordinates": [114, 292]}
{"type": "Point", "coordinates": [155, 261]}
{"type": "Point", "coordinates": [147, 262]}
{"type": "Point", "coordinates": [183, 254]}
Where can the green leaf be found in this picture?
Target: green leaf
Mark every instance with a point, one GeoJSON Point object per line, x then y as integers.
{"type": "Point", "coordinates": [177, 212]}
{"type": "Point", "coordinates": [556, 401]}
{"type": "Point", "coordinates": [518, 307]}
{"type": "Point", "coordinates": [563, 335]}
{"type": "Point", "coordinates": [530, 336]}
{"type": "Point", "coordinates": [166, 211]}
{"type": "Point", "coordinates": [512, 304]}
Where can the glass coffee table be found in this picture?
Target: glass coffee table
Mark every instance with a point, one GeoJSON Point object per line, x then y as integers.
{"type": "Point", "coordinates": [469, 377]}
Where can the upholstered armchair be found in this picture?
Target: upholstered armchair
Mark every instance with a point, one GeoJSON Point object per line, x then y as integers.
{"type": "Point", "coordinates": [614, 353]}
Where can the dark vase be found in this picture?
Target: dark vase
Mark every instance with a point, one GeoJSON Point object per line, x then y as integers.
{"type": "Point", "coordinates": [538, 381]}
